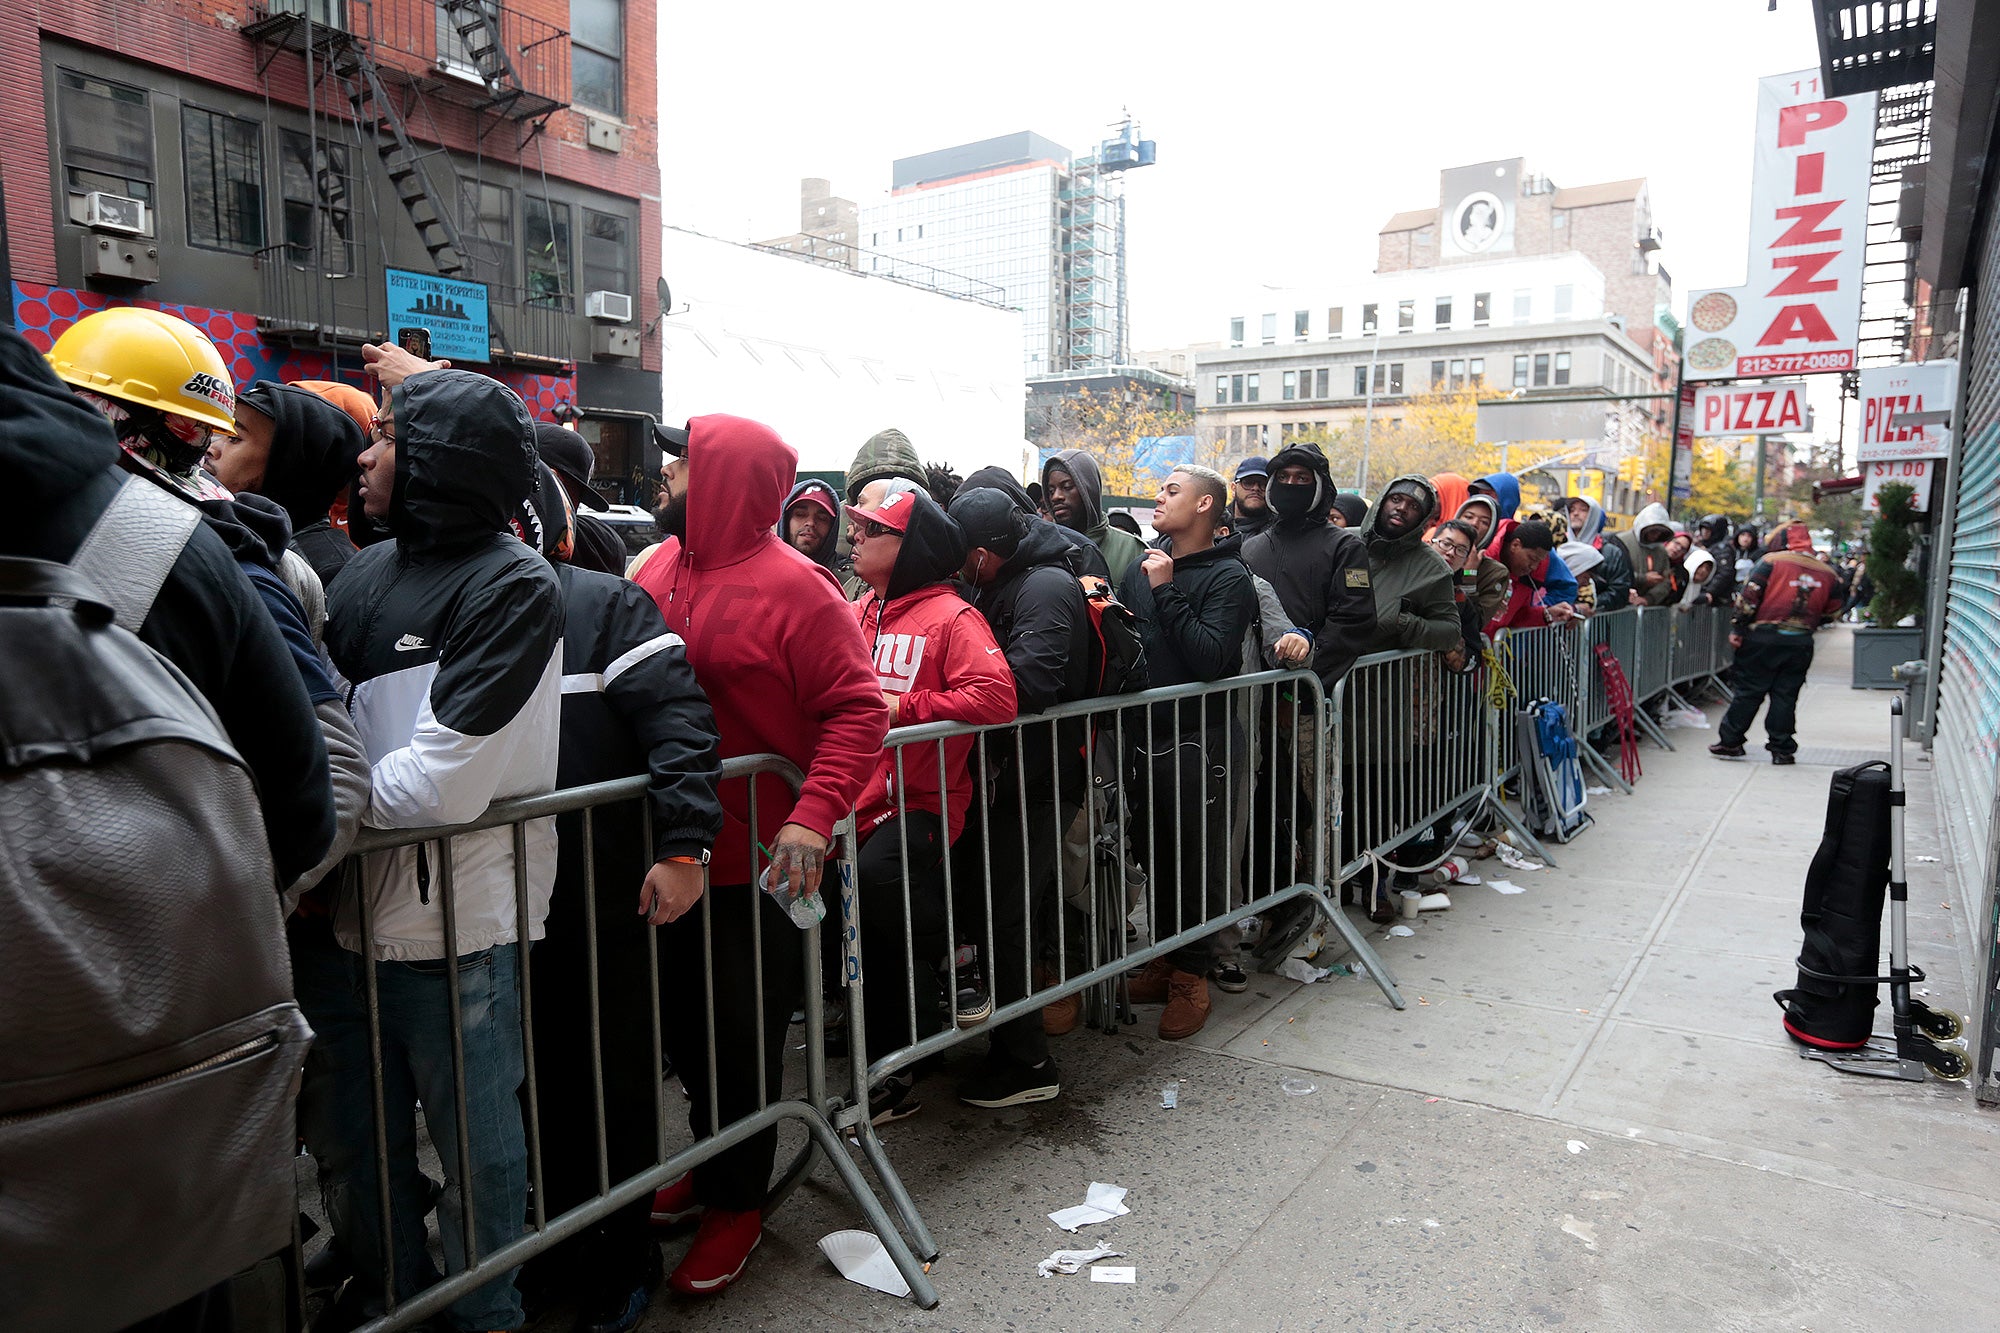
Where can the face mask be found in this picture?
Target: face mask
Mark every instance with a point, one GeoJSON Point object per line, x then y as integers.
{"type": "Point", "coordinates": [1292, 499]}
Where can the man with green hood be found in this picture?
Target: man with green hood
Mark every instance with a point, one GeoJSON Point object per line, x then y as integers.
{"type": "Point", "coordinates": [1414, 607]}
{"type": "Point", "coordinates": [1073, 486]}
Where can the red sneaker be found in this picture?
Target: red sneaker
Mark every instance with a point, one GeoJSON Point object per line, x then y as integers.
{"type": "Point", "coordinates": [676, 1202]}
{"type": "Point", "coordinates": [721, 1247]}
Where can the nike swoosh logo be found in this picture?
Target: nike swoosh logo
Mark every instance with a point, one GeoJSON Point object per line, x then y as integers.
{"type": "Point", "coordinates": [409, 643]}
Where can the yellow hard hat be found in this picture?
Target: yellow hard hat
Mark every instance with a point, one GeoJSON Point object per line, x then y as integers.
{"type": "Point", "coordinates": [153, 359]}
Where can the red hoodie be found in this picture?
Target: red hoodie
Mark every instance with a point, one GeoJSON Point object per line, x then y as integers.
{"type": "Point", "coordinates": [770, 639]}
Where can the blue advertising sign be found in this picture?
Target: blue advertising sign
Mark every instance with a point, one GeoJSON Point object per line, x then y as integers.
{"type": "Point", "coordinates": [453, 310]}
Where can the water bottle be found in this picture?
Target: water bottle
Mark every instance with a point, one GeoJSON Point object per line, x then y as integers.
{"type": "Point", "coordinates": [806, 910]}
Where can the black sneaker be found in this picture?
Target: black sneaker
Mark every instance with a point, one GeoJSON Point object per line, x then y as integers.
{"type": "Point", "coordinates": [1778, 758]}
{"type": "Point", "coordinates": [613, 1311]}
{"type": "Point", "coordinates": [890, 1100]}
{"type": "Point", "coordinates": [1231, 978]}
{"type": "Point", "coordinates": [972, 1007]}
{"type": "Point", "coordinates": [1724, 750]}
{"type": "Point", "coordinates": [1003, 1082]}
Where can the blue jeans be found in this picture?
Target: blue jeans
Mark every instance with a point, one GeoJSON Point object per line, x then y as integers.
{"type": "Point", "coordinates": [337, 1120]}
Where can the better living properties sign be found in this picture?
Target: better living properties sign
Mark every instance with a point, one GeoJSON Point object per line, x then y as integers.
{"type": "Point", "coordinates": [453, 310]}
{"type": "Point", "coordinates": [1800, 310]}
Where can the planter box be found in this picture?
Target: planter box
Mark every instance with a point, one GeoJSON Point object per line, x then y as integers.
{"type": "Point", "coordinates": [1878, 652]}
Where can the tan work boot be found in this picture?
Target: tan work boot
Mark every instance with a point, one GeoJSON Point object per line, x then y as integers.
{"type": "Point", "coordinates": [1149, 986]}
{"type": "Point", "coordinates": [1187, 1006]}
{"type": "Point", "coordinates": [1059, 1016]}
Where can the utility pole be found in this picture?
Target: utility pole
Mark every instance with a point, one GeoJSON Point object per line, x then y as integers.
{"type": "Point", "coordinates": [1368, 417]}
{"type": "Point", "coordinates": [1763, 450]}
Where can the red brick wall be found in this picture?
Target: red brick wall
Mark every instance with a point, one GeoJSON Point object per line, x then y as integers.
{"type": "Point", "coordinates": [202, 38]}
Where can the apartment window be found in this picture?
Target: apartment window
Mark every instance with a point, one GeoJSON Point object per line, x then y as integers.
{"type": "Point", "coordinates": [1482, 309]}
{"type": "Point", "coordinates": [1285, 432]}
{"type": "Point", "coordinates": [1541, 370]}
{"type": "Point", "coordinates": [1444, 312]}
{"type": "Point", "coordinates": [1320, 378]}
{"type": "Point", "coordinates": [1250, 388]}
{"type": "Point", "coordinates": [1565, 296]}
{"type": "Point", "coordinates": [1235, 388]}
{"type": "Point", "coordinates": [107, 138]}
{"type": "Point", "coordinates": [1524, 305]}
{"type": "Point", "coordinates": [1395, 376]}
{"type": "Point", "coordinates": [316, 186]}
{"type": "Point", "coordinates": [607, 252]}
{"type": "Point", "coordinates": [1520, 372]}
{"type": "Point", "coordinates": [486, 229]}
{"type": "Point", "coordinates": [597, 54]}
{"type": "Point", "coordinates": [1360, 381]}
{"type": "Point", "coordinates": [1319, 427]}
{"type": "Point", "coordinates": [1562, 367]}
{"type": "Point", "coordinates": [1333, 321]}
{"type": "Point", "coordinates": [1406, 316]}
{"type": "Point", "coordinates": [224, 164]}
{"type": "Point", "coordinates": [1301, 323]}
{"type": "Point", "coordinates": [1457, 373]}
{"type": "Point", "coordinates": [1289, 387]}
{"type": "Point", "coordinates": [1221, 390]}
{"type": "Point", "coordinates": [1476, 369]}
{"type": "Point", "coordinates": [1437, 374]}
{"type": "Point", "coordinates": [1368, 318]}
{"type": "Point", "coordinates": [1270, 329]}
{"type": "Point", "coordinates": [1236, 332]}
{"type": "Point", "coordinates": [546, 251]}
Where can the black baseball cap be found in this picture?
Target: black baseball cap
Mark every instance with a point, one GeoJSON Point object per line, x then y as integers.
{"type": "Point", "coordinates": [672, 440]}
{"type": "Point", "coordinates": [569, 456]}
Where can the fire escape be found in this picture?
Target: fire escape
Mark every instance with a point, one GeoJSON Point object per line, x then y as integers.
{"type": "Point", "coordinates": [386, 84]}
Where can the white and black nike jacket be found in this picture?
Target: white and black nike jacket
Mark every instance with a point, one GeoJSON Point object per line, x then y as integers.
{"type": "Point", "coordinates": [451, 639]}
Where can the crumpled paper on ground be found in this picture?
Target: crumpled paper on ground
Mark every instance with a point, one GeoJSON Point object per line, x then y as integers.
{"type": "Point", "coordinates": [1101, 1203]}
{"type": "Point", "coordinates": [1693, 719]}
{"type": "Point", "coordinates": [1298, 969]}
{"type": "Point", "coordinates": [1502, 886]}
{"type": "Point", "coordinates": [1514, 857]}
{"type": "Point", "coordinates": [1072, 1261]}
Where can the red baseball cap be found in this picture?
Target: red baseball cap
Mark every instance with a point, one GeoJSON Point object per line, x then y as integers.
{"type": "Point", "coordinates": [894, 513]}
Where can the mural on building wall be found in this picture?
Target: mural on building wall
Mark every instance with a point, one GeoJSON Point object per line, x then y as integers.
{"type": "Point", "coordinates": [41, 314]}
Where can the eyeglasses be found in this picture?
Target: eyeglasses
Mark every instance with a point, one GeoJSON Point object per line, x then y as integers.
{"type": "Point", "coordinates": [381, 434]}
{"type": "Point", "coordinates": [872, 530]}
{"type": "Point", "coordinates": [1452, 549]}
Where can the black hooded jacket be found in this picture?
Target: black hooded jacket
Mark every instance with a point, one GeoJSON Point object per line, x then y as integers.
{"type": "Point", "coordinates": [314, 448]}
{"type": "Point", "coordinates": [256, 532]}
{"type": "Point", "coordinates": [1247, 523]}
{"type": "Point", "coordinates": [62, 465]}
{"type": "Point", "coordinates": [829, 549]}
{"type": "Point", "coordinates": [1036, 609]}
{"type": "Point", "coordinates": [1320, 572]}
{"type": "Point", "coordinates": [1087, 558]}
{"type": "Point", "coordinates": [1194, 623]}
{"type": "Point", "coordinates": [1721, 585]}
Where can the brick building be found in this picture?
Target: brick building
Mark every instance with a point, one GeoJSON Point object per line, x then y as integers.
{"type": "Point", "coordinates": [267, 168]}
{"type": "Point", "coordinates": [828, 226]}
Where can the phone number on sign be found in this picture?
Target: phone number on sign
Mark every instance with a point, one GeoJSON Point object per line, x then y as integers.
{"type": "Point", "coordinates": [1787, 363]}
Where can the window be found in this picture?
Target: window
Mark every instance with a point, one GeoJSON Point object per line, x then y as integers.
{"type": "Point", "coordinates": [1301, 322]}
{"type": "Point", "coordinates": [1289, 389]}
{"type": "Point", "coordinates": [313, 177]}
{"type": "Point", "coordinates": [597, 54]}
{"type": "Point", "coordinates": [1457, 373]}
{"type": "Point", "coordinates": [1406, 316]}
{"type": "Point", "coordinates": [486, 229]}
{"type": "Point", "coordinates": [1333, 321]}
{"type": "Point", "coordinates": [1388, 377]}
{"type": "Point", "coordinates": [1236, 332]}
{"type": "Point", "coordinates": [607, 252]}
{"type": "Point", "coordinates": [1444, 312]}
{"type": "Point", "coordinates": [1520, 372]}
{"type": "Point", "coordinates": [1250, 388]}
{"type": "Point", "coordinates": [1395, 377]}
{"type": "Point", "coordinates": [1524, 305]}
{"type": "Point", "coordinates": [1360, 381]}
{"type": "Point", "coordinates": [1368, 318]}
{"type": "Point", "coordinates": [107, 138]}
{"type": "Point", "coordinates": [546, 251]}
{"type": "Point", "coordinates": [1565, 294]}
{"type": "Point", "coordinates": [1541, 370]}
{"type": "Point", "coordinates": [1476, 369]}
{"type": "Point", "coordinates": [1562, 367]}
{"type": "Point", "coordinates": [1320, 382]}
{"type": "Point", "coordinates": [1482, 309]}
{"type": "Point", "coordinates": [1270, 329]}
{"type": "Point", "coordinates": [1437, 374]}
{"type": "Point", "coordinates": [224, 161]}
{"type": "Point", "coordinates": [1235, 388]}
{"type": "Point", "coordinates": [1221, 390]}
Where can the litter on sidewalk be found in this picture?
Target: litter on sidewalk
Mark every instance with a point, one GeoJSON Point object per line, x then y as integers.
{"type": "Point", "coordinates": [1170, 1096]}
{"type": "Point", "coordinates": [1515, 859]}
{"type": "Point", "coordinates": [861, 1258]}
{"type": "Point", "coordinates": [1100, 1204]}
{"type": "Point", "coordinates": [1504, 886]}
{"type": "Point", "coordinates": [1072, 1261]}
{"type": "Point", "coordinates": [1298, 1087]}
{"type": "Point", "coordinates": [1113, 1273]}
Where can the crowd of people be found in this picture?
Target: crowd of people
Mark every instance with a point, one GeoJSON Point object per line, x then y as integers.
{"type": "Point", "coordinates": [402, 610]}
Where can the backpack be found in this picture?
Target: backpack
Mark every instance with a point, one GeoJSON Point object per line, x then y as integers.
{"type": "Point", "coordinates": [1552, 787]}
{"type": "Point", "coordinates": [152, 1047]}
{"type": "Point", "coordinates": [1120, 648]}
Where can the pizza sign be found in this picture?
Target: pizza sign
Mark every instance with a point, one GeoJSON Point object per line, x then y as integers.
{"type": "Point", "coordinates": [1751, 409]}
{"type": "Point", "coordinates": [1800, 311]}
{"type": "Point", "coordinates": [1894, 399]}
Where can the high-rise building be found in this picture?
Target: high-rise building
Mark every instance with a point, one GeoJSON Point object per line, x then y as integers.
{"type": "Point", "coordinates": [1024, 214]}
{"type": "Point", "coordinates": [827, 225]}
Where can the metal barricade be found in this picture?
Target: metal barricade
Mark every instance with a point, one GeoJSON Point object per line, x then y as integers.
{"type": "Point", "coordinates": [1619, 631]}
{"type": "Point", "coordinates": [496, 1055]}
{"type": "Point", "coordinates": [1649, 672]}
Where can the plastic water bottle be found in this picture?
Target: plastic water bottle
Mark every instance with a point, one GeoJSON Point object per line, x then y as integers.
{"type": "Point", "coordinates": [806, 910]}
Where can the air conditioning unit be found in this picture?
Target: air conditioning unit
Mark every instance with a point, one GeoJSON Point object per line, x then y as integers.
{"type": "Point", "coordinates": [611, 307]}
{"type": "Point", "coordinates": [114, 212]}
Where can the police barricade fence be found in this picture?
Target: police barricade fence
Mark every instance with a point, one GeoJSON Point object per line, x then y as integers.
{"type": "Point", "coordinates": [598, 1069]}
{"type": "Point", "coordinates": [1701, 644]}
{"type": "Point", "coordinates": [1649, 673]}
{"type": "Point", "coordinates": [1619, 631]}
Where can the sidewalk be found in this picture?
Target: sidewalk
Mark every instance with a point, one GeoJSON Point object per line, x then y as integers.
{"type": "Point", "coordinates": [1587, 1116]}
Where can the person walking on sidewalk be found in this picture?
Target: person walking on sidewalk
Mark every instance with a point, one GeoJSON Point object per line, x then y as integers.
{"type": "Point", "coordinates": [1788, 595]}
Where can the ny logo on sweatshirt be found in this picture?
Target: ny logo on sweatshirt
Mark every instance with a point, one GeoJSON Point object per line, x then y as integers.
{"type": "Point", "coordinates": [897, 657]}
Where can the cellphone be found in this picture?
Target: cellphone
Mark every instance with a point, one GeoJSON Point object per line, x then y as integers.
{"type": "Point", "coordinates": [417, 342]}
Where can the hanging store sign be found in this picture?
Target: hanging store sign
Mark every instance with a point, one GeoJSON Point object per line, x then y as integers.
{"type": "Point", "coordinates": [1800, 311]}
{"type": "Point", "coordinates": [1916, 473]}
{"type": "Point", "coordinates": [1750, 409]}
{"type": "Point", "coordinates": [453, 312]}
{"type": "Point", "coordinates": [1892, 394]}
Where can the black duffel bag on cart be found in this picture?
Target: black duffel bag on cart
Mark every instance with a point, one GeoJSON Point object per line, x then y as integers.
{"type": "Point", "coordinates": [1842, 915]}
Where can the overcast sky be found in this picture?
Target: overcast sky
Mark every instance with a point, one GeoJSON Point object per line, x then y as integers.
{"type": "Point", "coordinates": [1288, 133]}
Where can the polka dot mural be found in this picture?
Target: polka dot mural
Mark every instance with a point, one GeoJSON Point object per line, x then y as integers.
{"type": "Point", "coordinates": [41, 314]}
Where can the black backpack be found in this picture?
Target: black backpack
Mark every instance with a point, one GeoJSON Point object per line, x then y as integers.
{"type": "Point", "coordinates": [151, 1047]}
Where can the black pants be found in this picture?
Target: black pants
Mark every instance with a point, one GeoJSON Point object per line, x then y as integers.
{"type": "Point", "coordinates": [1022, 873]}
{"type": "Point", "coordinates": [737, 1179]}
{"type": "Point", "coordinates": [895, 964]}
{"type": "Point", "coordinates": [1179, 833]}
{"type": "Point", "coordinates": [1771, 664]}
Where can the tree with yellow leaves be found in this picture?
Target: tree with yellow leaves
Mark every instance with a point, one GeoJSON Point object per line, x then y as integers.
{"type": "Point", "coordinates": [1111, 426]}
{"type": "Point", "coordinates": [1427, 433]}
